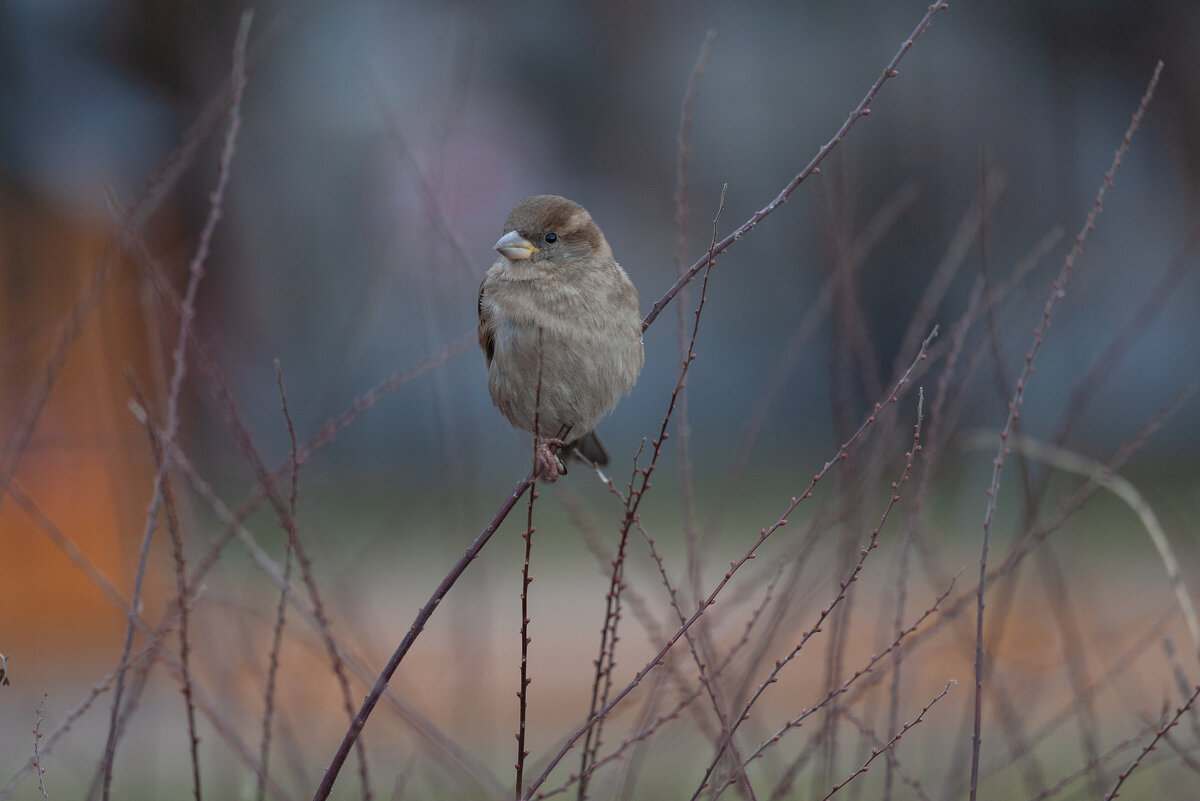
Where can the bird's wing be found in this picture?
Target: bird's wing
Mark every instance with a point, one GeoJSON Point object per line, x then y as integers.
{"type": "Point", "coordinates": [487, 338]}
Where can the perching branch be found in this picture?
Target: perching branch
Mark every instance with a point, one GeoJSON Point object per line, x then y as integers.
{"type": "Point", "coordinates": [859, 111]}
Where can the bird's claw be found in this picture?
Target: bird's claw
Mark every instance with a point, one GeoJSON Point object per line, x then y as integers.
{"type": "Point", "coordinates": [548, 465]}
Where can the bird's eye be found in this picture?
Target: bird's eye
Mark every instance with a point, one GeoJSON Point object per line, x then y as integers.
{"type": "Point", "coordinates": [551, 238]}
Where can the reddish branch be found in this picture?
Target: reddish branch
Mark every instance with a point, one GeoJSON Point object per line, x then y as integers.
{"type": "Point", "coordinates": [1158, 735]}
{"type": "Point", "coordinates": [527, 535]}
{"type": "Point", "coordinates": [813, 167]}
{"type": "Point", "coordinates": [1057, 292]}
{"type": "Point", "coordinates": [418, 625]}
{"type": "Point", "coordinates": [843, 589]}
{"type": "Point", "coordinates": [875, 752]}
{"type": "Point", "coordinates": [356, 726]}
{"type": "Point", "coordinates": [187, 312]}
{"type": "Point", "coordinates": [181, 587]}
{"type": "Point", "coordinates": [734, 567]}
{"type": "Point", "coordinates": [284, 591]}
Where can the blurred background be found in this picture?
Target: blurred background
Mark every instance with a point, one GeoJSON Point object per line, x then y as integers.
{"type": "Point", "coordinates": [381, 147]}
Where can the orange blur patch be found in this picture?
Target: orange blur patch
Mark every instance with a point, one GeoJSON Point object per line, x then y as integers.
{"type": "Point", "coordinates": [86, 469]}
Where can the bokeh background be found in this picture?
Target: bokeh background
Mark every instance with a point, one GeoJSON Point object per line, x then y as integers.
{"type": "Point", "coordinates": [380, 149]}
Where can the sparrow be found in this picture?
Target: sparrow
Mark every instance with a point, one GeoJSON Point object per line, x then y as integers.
{"type": "Point", "coordinates": [557, 303]}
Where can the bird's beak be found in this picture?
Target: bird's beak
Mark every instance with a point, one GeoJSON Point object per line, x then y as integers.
{"type": "Point", "coordinates": [516, 247]}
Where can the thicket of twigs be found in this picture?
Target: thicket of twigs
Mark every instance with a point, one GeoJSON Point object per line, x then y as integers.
{"type": "Point", "coordinates": [833, 628]}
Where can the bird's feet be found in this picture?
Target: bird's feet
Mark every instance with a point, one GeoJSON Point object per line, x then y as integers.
{"type": "Point", "coordinates": [549, 466]}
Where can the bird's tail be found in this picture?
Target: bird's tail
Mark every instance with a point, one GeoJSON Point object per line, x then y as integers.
{"type": "Point", "coordinates": [589, 449]}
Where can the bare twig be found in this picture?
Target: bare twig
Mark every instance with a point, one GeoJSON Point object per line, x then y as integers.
{"type": "Point", "coordinates": [809, 324]}
{"type": "Point", "coordinates": [861, 110]}
{"type": "Point", "coordinates": [442, 747]}
{"type": "Point", "coordinates": [683, 425]}
{"type": "Point", "coordinates": [154, 193]}
{"type": "Point", "coordinates": [1124, 489]}
{"type": "Point", "coordinates": [67, 545]}
{"type": "Point", "coordinates": [893, 761]}
{"type": "Point", "coordinates": [734, 567]}
{"type": "Point", "coordinates": [37, 739]}
{"type": "Point", "coordinates": [843, 588]}
{"type": "Point", "coordinates": [783, 787]}
{"type": "Point", "coordinates": [181, 587]}
{"type": "Point", "coordinates": [631, 518]}
{"type": "Point", "coordinates": [1158, 735]}
{"type": "Point", "coordinates": [606, 659]}
{"type": "Point", "coordinates": [527, 535]}
{"type": "Point", "coordinates": [813, 167]}
{"type": "Point", "coordinates": [1089, 767]}
{"type": "Point", "coordinates": [1057, 293]}
{"type": "Point", "coordinates": [418, 625]}
{"type": "Point", "coordinates": [196, 273]}
{"type": "Point", "coordinates": [523, 689]}
{"type": "Point", "coordinates": [284, 591]}
{"type": "Point", "coordinates": [875, 752]}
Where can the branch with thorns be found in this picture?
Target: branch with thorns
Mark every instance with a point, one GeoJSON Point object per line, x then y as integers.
{"type": "Point", "coordinates": [875, 752]}
{"type": "Point", "coordinates": [1058, 291]}
{"type": "Point", "coordinates": [187, 313]}
{"type": "Point", "coordinates": [1150, 746]}
{"type": "Point", "coordinates": [734, 567]}
{"type": "Point", "coordinates": [813, 167]}
{"type": "Point", "coordinates": [844, 586]}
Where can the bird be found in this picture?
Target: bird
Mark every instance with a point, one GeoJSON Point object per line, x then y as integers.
{"type": "Point", "coordinates": [558, 306]}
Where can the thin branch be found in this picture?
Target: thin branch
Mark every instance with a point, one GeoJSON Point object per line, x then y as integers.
{"type": "Point", "coordinates": [1158, 735]}
{"type": "Point", "coordinates": [37, 759]}
{"type": "Point", "coordinates": [181, 587]}
{"type": "Point", "coordinates": [458, 761]}
{"type": "Point", "coordinates": [683, 425]}
{"type": "Point", "coordinates": [813, 167]}
{"type": "Point", "coordinates": [734, 567]}
{"type": "Point", "coordinates": [527, 535]}
{"type": "Point", "coordinates": [809, 324]}
{"type": "Point", "coordinates": [701, 647]}
{"type": "Point", "coordinates": [861, 110]}
{"type": "Point", "coordinates": [843, 588]}
{"type": "Point", "coordinates": [890, 753]}
{"type": "Point", "coordinates": [418, 625]}
{"type": "Point", "coordinates": [284, 591]}
{"type": "Point", "coordinates": [1088, 768]}
{"type": "Point", "coordinates": [650, 724]}
{"type": "Point", "coordinates": [523, 689]}
{"type": "Point", "coordinates": [875, 752]}
{"type": "Point", "coordinates": [606, 659]}
{"type": "Point", "coordinates": [1124, 489]}
{"type": "Point", "coordinates": [783, 786]}
{"type": "Point", "coordinates": [1058, 291]}
{"type": "Point", "coordinates": [631, 518]}
{"type": "Point", "coordinates": [187, 312]}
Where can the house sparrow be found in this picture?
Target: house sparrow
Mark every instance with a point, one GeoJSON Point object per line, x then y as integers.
{"type": "Point", "coordinates": [556, 274]}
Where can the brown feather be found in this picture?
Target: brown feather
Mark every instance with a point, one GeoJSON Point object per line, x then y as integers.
{"type": "Point", "coordinates": [572, 290]}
